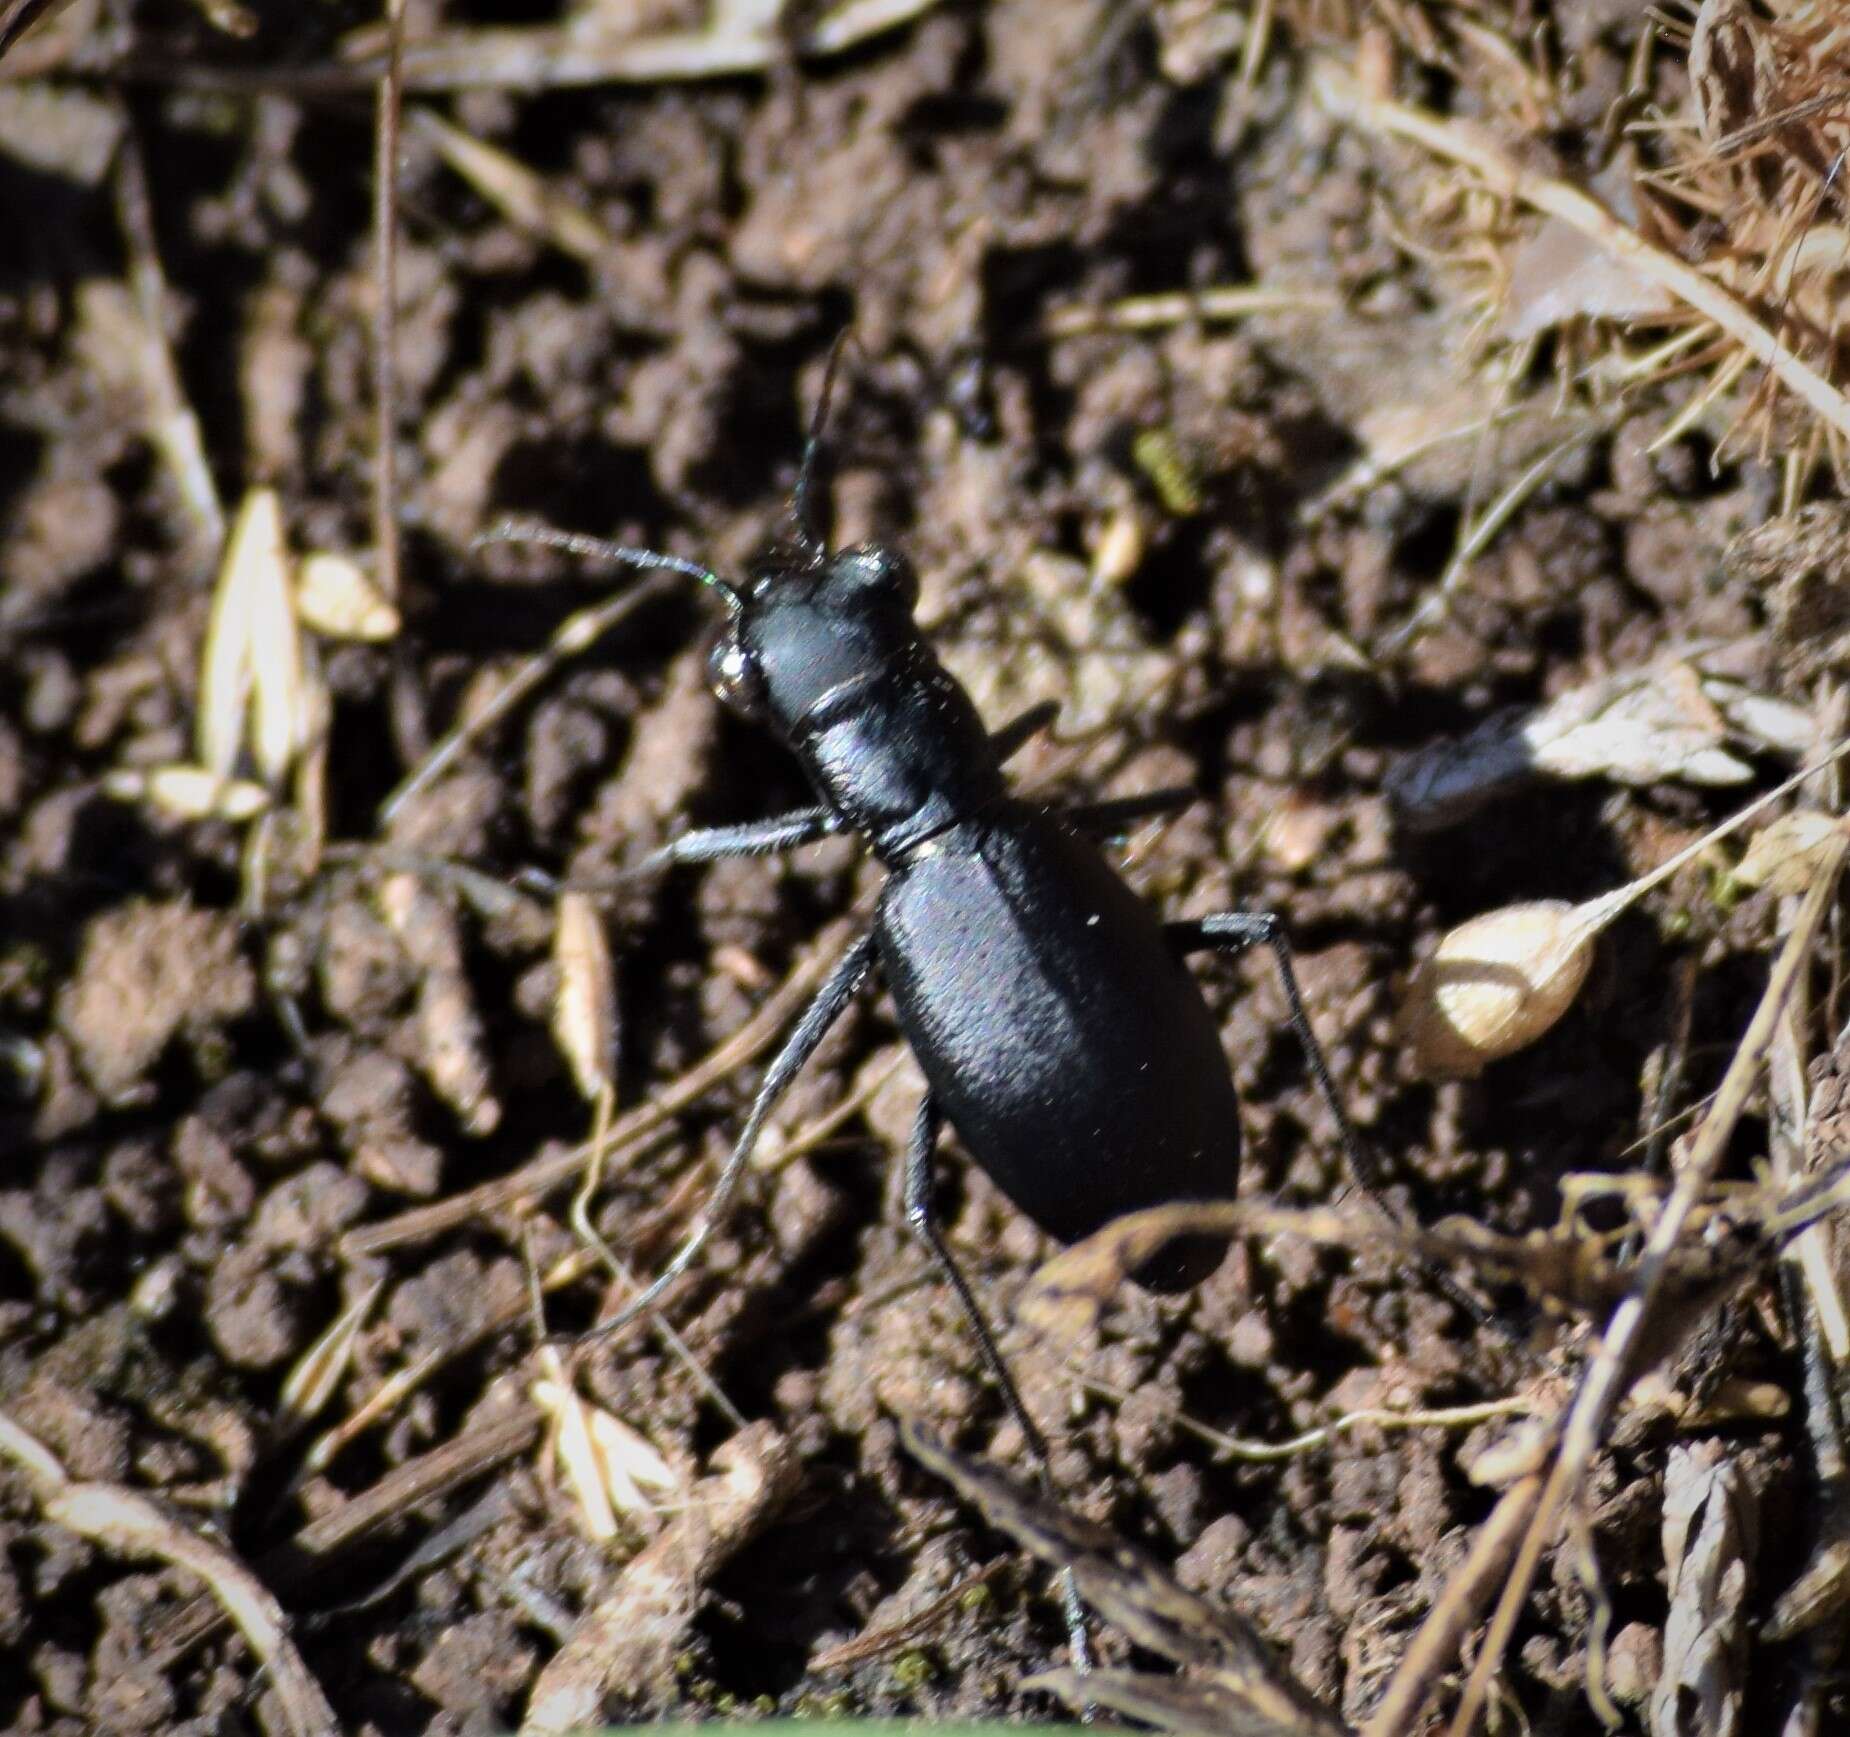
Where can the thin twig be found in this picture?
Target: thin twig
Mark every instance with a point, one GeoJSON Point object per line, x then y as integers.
{"type": "Point", "coordinates": [1452, 1618]}
{"type": "Point", "coordinates": [127, 1521]}
{"type": "Point", "coordinates": [1471, 148]}
{"type": "Point", "coordinates": [1612, 1371]}
{"type": "Point", "coordinates": [629, 1134]}
{"type": "Point", "coordinates": [385, 310]}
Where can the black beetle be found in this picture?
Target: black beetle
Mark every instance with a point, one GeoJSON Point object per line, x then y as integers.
{"type": "Point", "coordinates": [1057, 1027]}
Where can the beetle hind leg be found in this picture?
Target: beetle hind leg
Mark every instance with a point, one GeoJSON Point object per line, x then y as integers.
{"type": "Point", "coordinates": [922, 1218]}
{"type": "Point", "coordinates": [1232, 932]}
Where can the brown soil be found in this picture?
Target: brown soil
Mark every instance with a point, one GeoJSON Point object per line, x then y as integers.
{"type": "Point", "coordinates": [206, 1110]}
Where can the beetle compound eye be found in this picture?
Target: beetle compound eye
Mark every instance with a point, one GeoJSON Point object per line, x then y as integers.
{"type": "Point", "coordinates": [875, 568]}
{"type": "Point", "coordinates": [737, 681]}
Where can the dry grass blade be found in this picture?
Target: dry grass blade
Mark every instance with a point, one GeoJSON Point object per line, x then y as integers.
{"type": "Point", "coordinates": [1142, 1598]}
{"type": "Point", "coordinates": [1177, 1704]}
{"type": "Point", "coordinates": [741, 36]}
{"type": "Point", "coordinates": [386, 110]}
{"type": "Point", "coordinates": [1472, 149]}
{"type": "Point", "coordinates": [1470, 1587]}
{"type": "Point", "coordinates": [124, 1520]}
{"type": "Point", "coordinates": [584, 1011]}
{"type": "Point", "coordinates": [1154, 312]}
{"type": "Point", "coordinates": [311, 1383]}
{"type": "Point", "coordinates": [19, 16]}
{"type": "Point", "coordinates": [311, 1554]}
{"type": "Point", "coordinates": [628, 1136]}
{"type": "Point", "coordinates": [576, 634]}
{"type": "Point", "coordinates": [225, 664]}
{"type": "Point", "coordinates": [626, 1645]}
{"type": "Point", "coordinates": [279, 708]}
{"type": "Point", "coordinates": [515, 190]}
{"type": "Point", "coordinates": [1626, 1332]}
{"type": "Point", "coordinates": [172, 423]}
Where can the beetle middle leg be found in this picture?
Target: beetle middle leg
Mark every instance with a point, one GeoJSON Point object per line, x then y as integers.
{"type": "Point", "coordinates": [922, 1218]}
{"type": "Point", "coordinates": [1108, 819]}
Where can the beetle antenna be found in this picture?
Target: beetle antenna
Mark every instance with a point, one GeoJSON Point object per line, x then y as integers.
{"type": "Point", "coordinates": [575, 634]}
{"type": "Point", "coordinates": [802, 497]}
{"type": "Point", "coordinates": [591, 548]}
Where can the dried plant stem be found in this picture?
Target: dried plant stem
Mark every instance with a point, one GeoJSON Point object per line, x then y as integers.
{"type": "Point", "coordinates": [385, 312]}
{"type": "Point", "coordinates": [1612, 1370]}
{"type": "Point", "coordinates": [125, 1520]}
{"type": "Point", "coordinates": [173, 425]}
{"type": "Point", "coordinates": [628, 1134]}
{"type": "Point", "coordinates": [1471, 148]}
{"type": "Point", "coordinates": [1467, 1591]}
{"type": "Point", "coordinates": [1172, 308]}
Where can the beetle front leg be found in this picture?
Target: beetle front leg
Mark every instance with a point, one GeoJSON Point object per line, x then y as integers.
{"type": "Point", "coordinates": [751, 838]}
{"type": "Point", "coordinates": [1111, 818]}
{"type": "Point", "coordinates": [922, 1217]}
{"type": "Point", "coordinates": [704, 844]}
{"type": "Point", "coordinates": [1019, 731]}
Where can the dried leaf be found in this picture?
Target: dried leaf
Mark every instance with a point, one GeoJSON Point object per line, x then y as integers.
{"type": "Point", "coordinates": [1785, 857]}
{"type": "Point", "coordinates": [450, 1044]}
{"type": "Point", "coordinates": [1710, 1539]}
{"type": "Point", "coordinates": [336, 597]}
{"type": "Point", "coordinates": [189, 792]}
{"type": "Point", "coordinates": [1675, 718]}
{"type": "Point", "coordinates": [584, 1010]}
{"type": "Point", "coordinates": [1558, 274]}
{"type": "Point", "coordinates": [1637, 728]}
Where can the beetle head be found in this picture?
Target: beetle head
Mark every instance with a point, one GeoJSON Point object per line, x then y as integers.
{"type": "Point", "coordinates": [807, 625]}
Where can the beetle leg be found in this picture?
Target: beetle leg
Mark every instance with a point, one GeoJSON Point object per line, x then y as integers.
{"type": "Point", "coordinates": [1109, 819]}
{"type": "Point", "coordinates": [704, 844]}
{"type": "Point", "coordinates": [752, 838]}
{"type": "Point", "coordinates": [830, 1002]}
{"type": "Point", "coordinates": [1232, 932]}
{"type": "Point", "coordinates": [1019, 731]}
{"type": "Point", "coordinates": [922, 1217]}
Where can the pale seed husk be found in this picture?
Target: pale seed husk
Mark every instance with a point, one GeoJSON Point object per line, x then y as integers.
{"type": "Point", "coordinates": [1494, 985]}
